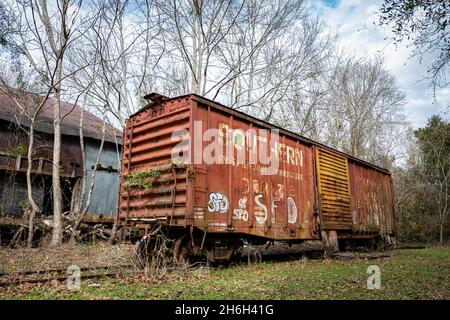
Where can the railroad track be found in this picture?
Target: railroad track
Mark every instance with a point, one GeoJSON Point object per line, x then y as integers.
{"type": "Point", "coordinates": [41, 276]}
{"type": "Point", "coordinates": [60, 275]}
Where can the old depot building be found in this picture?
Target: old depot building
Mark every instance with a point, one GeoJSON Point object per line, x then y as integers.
{"type": "Point", "coordinates": [13, 161]}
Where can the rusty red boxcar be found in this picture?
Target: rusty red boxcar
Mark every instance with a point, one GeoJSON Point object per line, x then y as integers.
{"type": "Point", "coordinates": [212, 178]}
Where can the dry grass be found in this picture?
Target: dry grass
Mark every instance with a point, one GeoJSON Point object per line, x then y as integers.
{"type": "Point", "coordinates": [47, 258]}
{"type": "Point", "coordinates": [408, 274]}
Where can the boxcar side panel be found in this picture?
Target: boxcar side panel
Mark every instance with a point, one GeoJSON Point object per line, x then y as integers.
{"type": "Point", "coordinates": [372, 200]}
{"type": "Point", "coordinates": [240, 198]}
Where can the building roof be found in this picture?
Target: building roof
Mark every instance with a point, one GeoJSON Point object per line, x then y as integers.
{"type": "Point", "coordinates": [92, 125]}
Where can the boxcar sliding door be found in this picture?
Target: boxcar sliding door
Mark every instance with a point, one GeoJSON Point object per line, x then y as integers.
{"type": "Point", "coordinates": [334, 190]}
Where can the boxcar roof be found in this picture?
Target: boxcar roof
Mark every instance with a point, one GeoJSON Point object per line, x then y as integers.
{"type": "Point", "coordinates": [240, 114]}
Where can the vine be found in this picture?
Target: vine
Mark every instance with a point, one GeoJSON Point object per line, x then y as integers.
{"type": "Point", "coordinates": [179, 165]}
{"type": "Point", "coordinates": [19, 150]}
{"type": "Point", "coordinates": [140, 180]}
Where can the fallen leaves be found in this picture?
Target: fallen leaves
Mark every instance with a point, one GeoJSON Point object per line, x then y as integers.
{"type": "Point", "coordinates": [422, 274]}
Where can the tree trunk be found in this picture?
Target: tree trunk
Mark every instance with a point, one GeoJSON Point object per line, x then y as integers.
{"type": "Point", "coordinates": [82, 188]}
{"type": "Point", "coordinates": [441, 232]}
{"type": "Point", "coordinates": [112, 238]}
{"type": "Point", "coordinates": [56, 181]}
{"type": "Point", "coordinates": [31, 229]}
{"type": "Point", "coordinates": [33, 207]}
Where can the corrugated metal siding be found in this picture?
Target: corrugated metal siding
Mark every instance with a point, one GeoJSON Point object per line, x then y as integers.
{"type": "Point", "coordinates": [104, 198]}
{"type": "Point", "coordinates": [334, 189]}
{"type": "Point", "coordinates": [148, 146]}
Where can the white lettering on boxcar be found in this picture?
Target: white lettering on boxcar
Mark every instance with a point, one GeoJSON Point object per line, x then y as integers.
{"type": "Point", "coordinates": [261, 212]}
{"type": "Point", "coordinates": [218, 202]}
{"type": "Point", "coordinates": [292, 210]}
{"type": "Point", "coordinates": [241, 213]}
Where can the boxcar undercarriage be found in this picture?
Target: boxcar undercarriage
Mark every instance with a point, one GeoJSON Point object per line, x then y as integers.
{"type": "Point", "coordinates": [193, 245]}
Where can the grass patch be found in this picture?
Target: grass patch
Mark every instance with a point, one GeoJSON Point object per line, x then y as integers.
{"type": "Point", "coordinates": [409, 274]}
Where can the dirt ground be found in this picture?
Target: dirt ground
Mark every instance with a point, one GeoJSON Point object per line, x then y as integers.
{"type": "Point", "coordinates": [103, 254]}
{"type": "Point", "coordinates": [82, 255]}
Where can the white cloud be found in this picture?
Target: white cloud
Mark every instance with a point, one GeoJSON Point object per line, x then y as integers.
{"type": "Point", "coordinates": [356, 23]}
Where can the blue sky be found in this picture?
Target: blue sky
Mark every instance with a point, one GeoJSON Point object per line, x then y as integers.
{"type": "Point", "coordinates": [331, 3]}
{"type": "Point", "coordinates": [354, 21]}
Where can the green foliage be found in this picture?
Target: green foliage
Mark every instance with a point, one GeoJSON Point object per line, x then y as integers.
{"type": "Point", "coordinates": [416, 217]}
{"type": "Point", "coordinates": [434, 144]}
{"type": "Point", "coordinates": [422, 188]}
{"type": "Point", "coordinates": [145, 179]}
{"type": "Point", "coordinates": [427, 23]}
{"type": "Point", "coordinates": [25, 204]}
{"type": "Point", "coordinates": [141, 180]}
{"type": "Point", "coordinates": [18, 150]}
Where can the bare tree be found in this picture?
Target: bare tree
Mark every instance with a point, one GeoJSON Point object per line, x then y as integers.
{"type": "Point", "coordinates": [291, 89]}
{"type": "Point", "coordinates": [44, 32]}
{"type": "Point", "coordinates": [29, 106]}
{"type": "Point", "coordinates": [303, 109]}
{"type": "Point", "coordinates": [121, 45]}
{"type": "Point", "coordinates": [363, 109]}
{"type": "Point", "coordinates": [125, 45]}
{"type": "Point", "coordinates": [81, 208]}
{"type": "Point", "coordinates": [220, 41]}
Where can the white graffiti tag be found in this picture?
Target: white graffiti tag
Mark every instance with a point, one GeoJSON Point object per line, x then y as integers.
{"type": "Point", "coordinates": [241, 213]}
{"type": "Point", "coordinates": [218, 202]}
{"type": "Point", "coordinates": [261, 211]}
{"type": "Point", "coordinates": [292, 210]}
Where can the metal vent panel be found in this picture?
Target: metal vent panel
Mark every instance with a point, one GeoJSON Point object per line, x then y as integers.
{"type": "Point", "coordinates": [334, 189]}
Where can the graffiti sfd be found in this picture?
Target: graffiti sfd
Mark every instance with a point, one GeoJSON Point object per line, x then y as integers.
{"type": "Point", "coordinates": [73, 277]}
{"type": "Point", "coordinates": [374, 279]}
{"type": "Point", "coordinates": [260, 210]}
{"type": "Point", "coordinates": [218, 202]}
{"type": "Point", "coordinates": [241, 213]}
